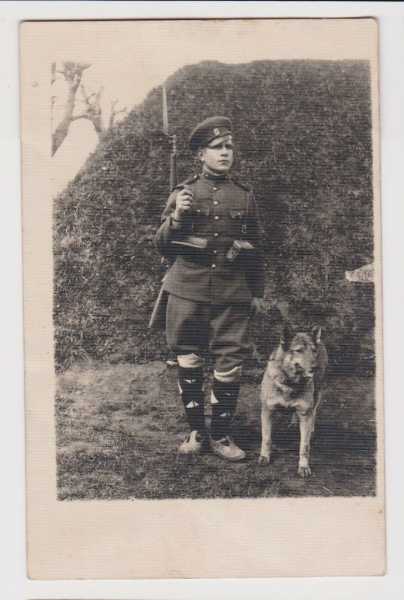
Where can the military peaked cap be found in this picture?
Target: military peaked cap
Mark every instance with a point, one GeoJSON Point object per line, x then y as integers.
{"type": "Point", "coordinates": [208, 130]}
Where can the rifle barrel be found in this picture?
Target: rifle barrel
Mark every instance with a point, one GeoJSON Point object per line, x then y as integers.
{"type": "Point", "coordinates": [165, 111]}
{"type": "Point", "coordinates": [173, 170]}
{"type": "Point", "coordinates": [173, 140]}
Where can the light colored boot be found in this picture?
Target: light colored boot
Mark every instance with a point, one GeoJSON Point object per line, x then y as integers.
{"type": "Point", "coordinates": [227, 449]}
{"type": "Point", "coordinates": [192, 444]}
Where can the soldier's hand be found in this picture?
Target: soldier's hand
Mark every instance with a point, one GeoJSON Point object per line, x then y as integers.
{"type": "Point", "coordinates": [183, 203]}
{"type": "Point", "coordinates": [258, 306]}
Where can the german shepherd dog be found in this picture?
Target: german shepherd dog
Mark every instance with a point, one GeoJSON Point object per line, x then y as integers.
{"type": "Point", "coordinates": [293, 379]}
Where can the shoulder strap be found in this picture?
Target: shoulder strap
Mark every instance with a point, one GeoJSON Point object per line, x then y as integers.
{"type": "Point", "coordinates": [244, 186]}
{"type": "Point", "coordinates": [187, 181]}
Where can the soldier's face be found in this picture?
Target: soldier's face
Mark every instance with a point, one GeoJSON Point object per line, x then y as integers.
{"type": "Point", "coordinates": [218, 156]}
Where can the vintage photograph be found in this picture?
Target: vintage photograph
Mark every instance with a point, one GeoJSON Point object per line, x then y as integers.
{"type": "Point", "coordinates": [215, 261]}
{"type": "Point", "coordinates": [247, 188]}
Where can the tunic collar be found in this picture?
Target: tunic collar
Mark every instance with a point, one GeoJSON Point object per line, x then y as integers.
{"type": "Point", "coordinates": [214, 177]}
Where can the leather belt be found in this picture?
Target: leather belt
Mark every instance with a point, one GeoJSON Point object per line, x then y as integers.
{"type": "Point", "coordinates": [204, 259]}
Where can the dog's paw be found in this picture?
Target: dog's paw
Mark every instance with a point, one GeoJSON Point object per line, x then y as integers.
{"type": "Point", "coordinates": [264, 460]}
{"type": "Point", "coordinates": [304, 471]}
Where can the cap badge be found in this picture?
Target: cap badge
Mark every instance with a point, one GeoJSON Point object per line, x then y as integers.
{"type": "Point", "coordinates": [216, 131]}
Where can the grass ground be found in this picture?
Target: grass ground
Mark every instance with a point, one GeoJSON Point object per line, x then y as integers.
{"type": "Point", "coordinates": [118, 427]}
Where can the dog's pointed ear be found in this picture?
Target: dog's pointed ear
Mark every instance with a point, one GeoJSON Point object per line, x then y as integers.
{"type": "Point", "coordinates": [286, 336]}
{"type": "Point", "coordinates": [316, 334]}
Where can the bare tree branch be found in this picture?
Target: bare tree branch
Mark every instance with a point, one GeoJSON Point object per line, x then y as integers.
{"type": "Point", "coordinates": [72, 73]}
{"type": "Point", "coordinates": [91, 109]}
{"type": "Point", "coordinates": [82, 116]}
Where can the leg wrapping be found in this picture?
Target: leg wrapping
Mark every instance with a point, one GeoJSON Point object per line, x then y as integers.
{"type": "Point", "coordinates": [224, 405]}
{"type": "Point", "coordinates": [190, 382]}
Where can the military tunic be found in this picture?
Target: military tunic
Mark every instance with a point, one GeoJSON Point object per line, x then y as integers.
{"type": "Point", "coordinates": [210, 297]}
{"type": "Point", "coordinates": [223, 211]}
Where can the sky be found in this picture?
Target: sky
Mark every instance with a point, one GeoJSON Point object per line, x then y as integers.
{"type": "Point", "coordinates": [129, 58]}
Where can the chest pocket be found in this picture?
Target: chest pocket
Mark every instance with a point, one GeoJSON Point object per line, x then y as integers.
{"type": "Point", "coordinates": [237, 221]}
{"type": "Point", "coordinates": [200, 218]}
{"type": "Point", "coordinates": [201, 211]}
{"type": "Point", "coordinates": [236, 213]}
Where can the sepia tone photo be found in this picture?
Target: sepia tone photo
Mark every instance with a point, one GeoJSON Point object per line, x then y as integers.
{"type": "Point", "coordinates": [212, 274]}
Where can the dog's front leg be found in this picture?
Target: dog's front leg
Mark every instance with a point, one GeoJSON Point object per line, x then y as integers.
{"type": "Point", "coordinates": [306, 423]}
{"type": "Point", "coordinates": [266, 430]}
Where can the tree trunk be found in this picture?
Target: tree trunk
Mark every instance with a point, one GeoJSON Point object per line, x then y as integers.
{"type": "Point", "coordinates": [62, 129]}
{"type": "Point", "coordinates": [72, 73]}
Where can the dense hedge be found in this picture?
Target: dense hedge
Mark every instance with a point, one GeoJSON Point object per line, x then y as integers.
{"type": "Point", "coordinates": [303, 132]}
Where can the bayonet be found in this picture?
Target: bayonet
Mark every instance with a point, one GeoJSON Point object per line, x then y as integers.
{"type": "Point", "coordinates": [173, 141]}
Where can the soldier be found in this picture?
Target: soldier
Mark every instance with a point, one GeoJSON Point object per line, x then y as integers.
{"type": "Point", "coordinates": [210, 232]}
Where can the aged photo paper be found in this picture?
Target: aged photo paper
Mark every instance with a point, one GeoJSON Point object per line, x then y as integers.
{"type": "Point", "coordinates": [202, 298]}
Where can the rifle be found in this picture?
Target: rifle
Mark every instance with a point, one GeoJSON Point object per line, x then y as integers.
{"type": "Point", "coordinates": [173, 141]}
{"type": "Point", "coordinates": [157, 319]}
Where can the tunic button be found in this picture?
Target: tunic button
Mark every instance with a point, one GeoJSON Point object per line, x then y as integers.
{"type": "Point", "coordinates": [217, 217]}
{"type": "Point", "coordinates": [215, 189]}
{"type": "Point", "coordinates": [215, 202]}
{"type": "Point", "coordinates": [214, 251]}
{"type": "Point", "coordinates": [213, 266]}
{"type": "Point", "coordinates": [215, 234]}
